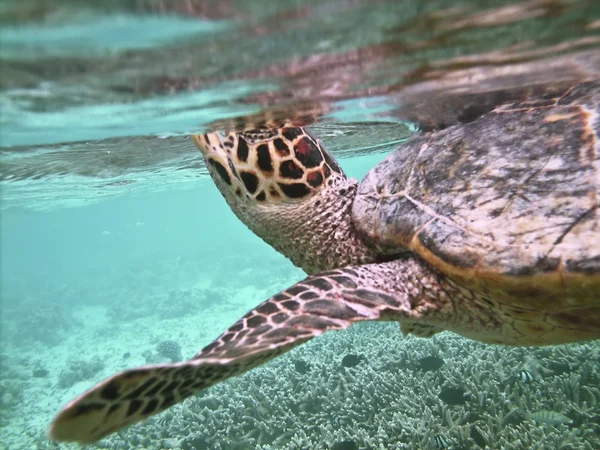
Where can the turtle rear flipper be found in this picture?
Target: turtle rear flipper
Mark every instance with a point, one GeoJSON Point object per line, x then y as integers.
{"type": "Point", "coordinates": [330, 300]}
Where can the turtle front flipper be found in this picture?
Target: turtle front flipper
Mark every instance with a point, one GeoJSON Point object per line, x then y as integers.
{"type": "Point", "coordinates": [329, 300]}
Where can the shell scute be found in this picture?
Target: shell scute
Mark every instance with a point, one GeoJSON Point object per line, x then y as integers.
{"type": "Point", "coordinates": [506, 203]}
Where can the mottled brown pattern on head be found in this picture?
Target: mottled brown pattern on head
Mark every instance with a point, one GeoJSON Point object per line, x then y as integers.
{"type": "Point", "coordinates": [315, 178]}
{"type": "Point", "coordinates": [303, 148]}
{"type": "Point", "coordinates": [288, 194]}
{"type": "Point", "coordinates": [272, 164]}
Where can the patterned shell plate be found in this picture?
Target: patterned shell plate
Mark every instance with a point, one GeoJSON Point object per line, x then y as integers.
{"type": "Point", "coordinates": [507, 203]}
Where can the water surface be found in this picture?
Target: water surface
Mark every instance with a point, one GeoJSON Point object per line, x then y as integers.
{"type": "Point", "coordinates": [113, 238]}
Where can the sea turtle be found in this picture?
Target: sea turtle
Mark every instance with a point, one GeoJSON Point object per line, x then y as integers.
{"type": "Point", "coordinates": [489, 229]}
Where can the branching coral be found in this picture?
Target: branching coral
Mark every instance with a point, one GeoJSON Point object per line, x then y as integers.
{"type": "Point", "coordinates": [169, 349]}
{"type": "Point", "coordinates": [33, 322]}
{"type": "Point", "coordinates": [387, 402]}
{"type": "Point", "coordinates": [79, 370]}
{"type": "Point", "coordinates": [11, 392]}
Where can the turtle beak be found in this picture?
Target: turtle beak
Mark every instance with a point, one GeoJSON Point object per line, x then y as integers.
{"type": "Point", "coordinates": [215, 156]}
{"type": "Point", "coordinates": [208, 144]}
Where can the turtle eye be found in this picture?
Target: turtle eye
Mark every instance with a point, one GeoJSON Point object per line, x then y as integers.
{"type": "Point", "coordinates": [269, 166]}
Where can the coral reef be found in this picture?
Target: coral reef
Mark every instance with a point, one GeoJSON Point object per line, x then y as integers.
{"type": "Point", "coordinates": [79, 370]}
{"type": "Point", "coordinates": [12, 385]}
{"type": "Point", "coordinates": [170, 349]}
{"type": "Point", "coordinates": [32, 322]}
{"type": "Point", "coordinates": [388, 401]}
{"type": "Point", "coordinates": [195, 290]}
{"type": "Point", "coordinates": [154, 301]}
{"type": "Point", "coordinates": [180, 302]}
{"type": "Point", "coordinates": [11, 392]}
{"type": "Point", "coordinates": [388, 393]}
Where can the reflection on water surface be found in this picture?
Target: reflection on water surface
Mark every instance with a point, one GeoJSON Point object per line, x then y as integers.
{"type": "Point", "coordinates": [96, 94]}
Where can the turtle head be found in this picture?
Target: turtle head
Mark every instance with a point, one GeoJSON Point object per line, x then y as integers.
{"type": "Point", "coordinates": [285, 186]}
{"type": "Point", "coordinates": [268, 167]}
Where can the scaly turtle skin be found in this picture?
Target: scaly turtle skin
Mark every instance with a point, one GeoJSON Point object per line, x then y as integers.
{"type": "Point", "coordinates": [489, 229]}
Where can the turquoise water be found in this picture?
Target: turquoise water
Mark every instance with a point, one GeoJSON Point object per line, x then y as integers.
{"type": "Point", "coordinates": [113, 238]}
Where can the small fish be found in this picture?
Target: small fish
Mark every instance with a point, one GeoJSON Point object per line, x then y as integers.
{"type": "Point", "coordinates": [351, 360]}
{"type": "Point", "coordinates": [453, 396]}
{"type": "Point", "coordinates": [126, 355]}
{"type": "Point", "coordinates": [477, 437]}
{"type": "Point", "coordinates": [345, 445]}
{"type": "Point", "coordinates": [558, 368]}
{"type": "Point", "coordinates": [40, 373]}
{"type": "Point", "coordinates": [442, 441]}
{"type": "Point", "coordinates": [525, 376]}
{"type": "Point", "coordinates": [514, 417]}
{"type": "Point", "coordinates": [301, 366]}
{"type": "Point", "coordinates": [430, 363]}
{"type": "Point", "coordinates": [162, 421]}
{"type": "Point", "coordinates": [550, 417]}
